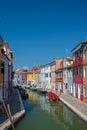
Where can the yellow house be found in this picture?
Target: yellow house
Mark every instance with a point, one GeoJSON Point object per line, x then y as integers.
{"type": "Point", "coordinates": [30, 78]}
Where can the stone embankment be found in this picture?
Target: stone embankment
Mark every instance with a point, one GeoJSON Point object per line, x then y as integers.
{"type": "Point", "coordinates": [16, 108]}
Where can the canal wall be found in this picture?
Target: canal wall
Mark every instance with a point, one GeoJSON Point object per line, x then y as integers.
{"type": "Point", "coordinates": [7, 124]}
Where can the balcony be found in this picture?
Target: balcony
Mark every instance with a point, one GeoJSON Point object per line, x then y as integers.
{"type": "Point", "coordinates": [78, 61]}
{"type": "Point", "coordinates": [85, 61]}
{"type": "Point", "coordinates": [58, 79]}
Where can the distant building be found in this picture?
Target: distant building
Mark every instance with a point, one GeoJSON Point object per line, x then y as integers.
{"type": "Point", "coordinates": [55, 65]}
{"type": "Point", "coordinates": [59, 76]}
{"type": "Point", "coordinates": [42, 76]}
{"type": "Point", "coordinates": [30, 78]}
{"type": "Point", "coordinates": [47, 76]}
{"type": "Point", "coordinates": [17, 81]}
{"type": "Point", "coordinates": [67, 75]}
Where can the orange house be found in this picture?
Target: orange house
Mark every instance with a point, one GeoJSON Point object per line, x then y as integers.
{"type": "Point", "coordinates": [85, 72]}
{"type": "Point", "coordinates": [55, 65]}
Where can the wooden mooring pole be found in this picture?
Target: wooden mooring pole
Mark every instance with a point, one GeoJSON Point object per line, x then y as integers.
{"type": "Point", "coordinates": [9, 116]}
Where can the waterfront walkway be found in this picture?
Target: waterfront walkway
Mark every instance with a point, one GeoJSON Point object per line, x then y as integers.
{"type": "Point", "coordinates": [79, 107]}
{"type": "Point", "coordinates": [16, 109]}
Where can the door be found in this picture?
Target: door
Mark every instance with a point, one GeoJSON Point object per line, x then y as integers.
{"type": "Point", "coordinates": [78, 91]}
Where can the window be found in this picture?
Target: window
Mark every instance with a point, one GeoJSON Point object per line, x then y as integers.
{"type": "Point", "coordinates": [2, 68]}
{"type": "Point", "coordinates": [76, 88]}
{"type": "Point", "coordinates": [76, 71]}
{"type": "Point", "coordinates": [46, 75]}
{"type": "Point", "coordinates": [84, 91]}
{"type": "Point", "coordinates": [81, 71]}
{"type": "Point", "coordinates": [84, 72]}
{"type": "Point", "coordinates": [81, 89]}
{"type": "Point", "coordinates": [73, 57]}
{"type": "Point", "coordinates": [80, 53]}
{"type": "Point", "coordinates": [66, 86]}
{"type": "Point", "coordinates": [73, 71]}
{"type": "Point", "coordinates": [50, 74]}
{"type": "Point", "coordinates": [84, 54]}
{"type": "Point", "coordinates": [77, 54]}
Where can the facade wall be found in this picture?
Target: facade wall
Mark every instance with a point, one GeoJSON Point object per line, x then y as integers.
{"type": "Point", "coordinates": [85, 74]}
{"type": "Point", "coordinates": [67, 75]}
{"type": "Point", "coordinates": [4, 76]}
{"type": "Point", "coordinates": [53, 77]}
{"type": "Point", "coordinates": [59, 75]}
{"type": "Point", "coordinates": [78, 73]}
{"type": "Point", "coordinates": [31, 79]}
{"type": "Point", "coordinates": [37, 79]}
{"type": "Point", "coordinates": [17, 79]}
{"type": "Point", "coordinates": [6, 80]}
{"type": "Point", "coordinates": [1, 82]}
{"type": "Point", "coordinates": [42, 77]}
{"type": "Point", "coordinates": [48, 77]}
{"type": "Point", "coordinates": [31, 76]}
{"type": "Point", "coordinates": [24, 78]}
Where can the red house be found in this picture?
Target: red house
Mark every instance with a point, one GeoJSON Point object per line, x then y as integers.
{"type": "Point", "coordinates": [24, 77]}
{"type": "Point", "coordinates": [78, 71]}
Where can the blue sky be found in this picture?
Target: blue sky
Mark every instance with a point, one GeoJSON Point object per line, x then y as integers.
{"type": "Point", "coordinates": [39, 30]}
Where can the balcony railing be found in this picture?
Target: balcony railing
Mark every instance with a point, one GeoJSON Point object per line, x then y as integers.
{"type": "Point", "coordinates": [58, 79]}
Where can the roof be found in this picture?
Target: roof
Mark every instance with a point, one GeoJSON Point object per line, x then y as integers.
{"type": "Point", "coordinates": [77, 47]}
{"type": "Point", "coordinates": [69, 58]}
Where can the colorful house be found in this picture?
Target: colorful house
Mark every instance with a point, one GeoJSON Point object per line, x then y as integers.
{"type": "Point", "coordinates": [5, 72]}
{"type": "Point", "coordinates": [59, 76]}
{"type": "Point", "coordinates": [17, 81]}
{"type": "Point", "coordinates": [37, 77]}
{"type": "Point", "coordinates": [42, 76]}
{"type": "Point", "coordinates": [1, 76]}
{"type": "Point", "coordinates": [67, 75]}
{"type": "Point", "coordinates": [78, 71]}
{"type": "Point", "coordinates": [8, 69]}
{"type": "Point", "coordinates": [53, 68]}
{"type": "Point", "coordinates": [30, 78]}
{"type": "Point", "coordinates": [1, 70]}
{"type": "Point", "coordinates": [85, 71]}
{"type": "Point", "coordinates": [55, 65]}
{"type": "Point", "coordinates": [47, 76]}
{"type": "Point", "coordinates": [24, 78]}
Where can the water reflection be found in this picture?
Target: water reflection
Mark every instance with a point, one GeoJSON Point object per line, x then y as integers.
{"type": "Point", "coordinates": [43, 114]}
{"type": "Point", "coordinates": [59, 112]}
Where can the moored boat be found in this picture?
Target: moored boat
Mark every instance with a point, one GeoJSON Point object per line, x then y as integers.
{"type": "Point", "coordinates": [52, 96]}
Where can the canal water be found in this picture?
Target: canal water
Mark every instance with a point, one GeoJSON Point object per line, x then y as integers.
{"type": "Point", "coordinates": [42, 114]}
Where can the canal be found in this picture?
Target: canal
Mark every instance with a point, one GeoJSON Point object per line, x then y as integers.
{"type": "Point", "coordinates": [42, 114]}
